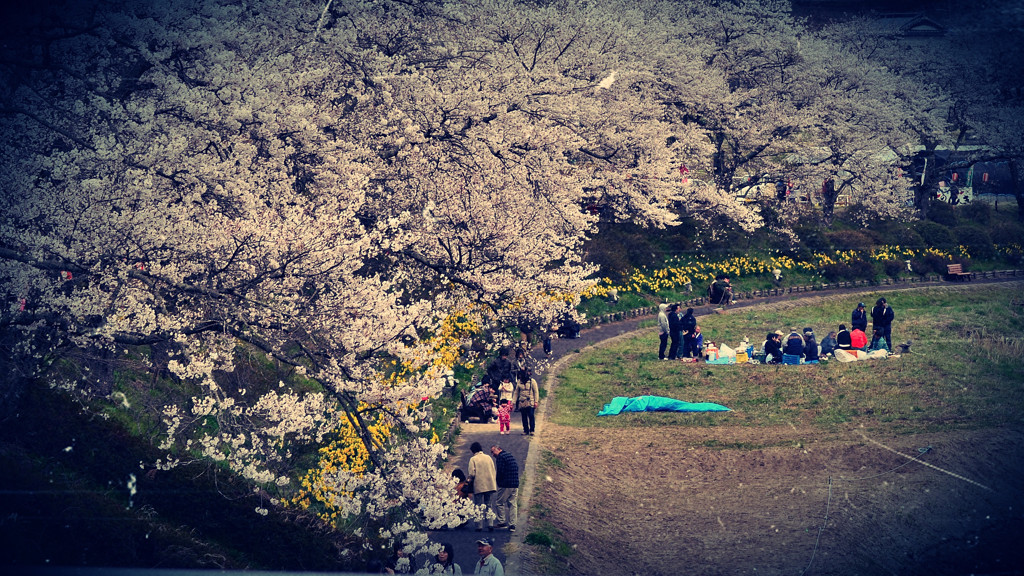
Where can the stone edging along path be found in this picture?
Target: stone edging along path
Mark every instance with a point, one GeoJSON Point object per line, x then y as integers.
{"type": "Point", "coordinates": [610, 327]}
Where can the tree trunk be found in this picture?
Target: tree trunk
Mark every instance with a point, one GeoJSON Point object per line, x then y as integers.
{"type": "Point", "coordinates": [1018, 190]}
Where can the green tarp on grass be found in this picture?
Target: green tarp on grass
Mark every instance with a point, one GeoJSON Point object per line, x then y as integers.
{"type": "Point", "coordinates": [621, 404]}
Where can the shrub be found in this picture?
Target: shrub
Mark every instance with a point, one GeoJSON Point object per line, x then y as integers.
{"type": "Point", "coordinates": [862, 269]}
{"type": "Point", "coordinates": [930, 264]}
{"type": "Point", "coordinates": [853, 270]}
{"type": "Point", "coordinates": [893, 268]}
{"type": "Point", "coordinates": [836, 271]}
{"type": "Point", "coordinates": [977, 212]}
{"type": "Point", "coordinates": [904, 236]}
{"type": "Point", "coordinates": [849, 239]}
{"type": "Point", "coordinates": [942, 213]}
{"type": "Point", "coordinates": [977, 240]}
{"type": "Point", "coordinates": [1007, 233]}
{"type": "Point", "coordinates": [813, 238]}
{"type": "Point", "coordinates": [936, 235]}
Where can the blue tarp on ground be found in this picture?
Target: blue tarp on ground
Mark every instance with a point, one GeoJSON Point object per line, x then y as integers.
{"type": "Point", "coordinates": [621, 404]}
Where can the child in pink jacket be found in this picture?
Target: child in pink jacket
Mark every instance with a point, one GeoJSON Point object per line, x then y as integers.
{"type": "Point", "coordinates": [504, 416]}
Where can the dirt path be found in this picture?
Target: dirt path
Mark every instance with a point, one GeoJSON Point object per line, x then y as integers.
{"type": "Point", "coordinates": [632, 501]}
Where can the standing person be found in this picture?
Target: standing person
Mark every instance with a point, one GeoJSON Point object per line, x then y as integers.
{"type": "Point", "coordinates": [547, 341]}
{"type": "Point", "coordinates": [505, 389]}
{"type": "Point", "coordinates": [518, 365]}
{"type": "Point", "coordinates": [444, 563]}
{"type": "Point", "coordinates": [882, 317]}
{"type": "Point", "coordinates": [505, 416]}
{"type": "Point", "coordinates": [859, 318]}
{"type": "Point", "coordinates": [689, 323]}
{"type": "Point", "coordinates": [499, 370]}
{"type": "Point", "coordinates": [506, 504]}
{"type": "Point", "coordinates": [526, 397]}
{"type": "Point", "coordinates": [484, 478]}
{"type": "Point", "coordinates": [663, 329]}
{"type": "Point", "coordinates": [488, 564]}
{"type": "Point", "coordinates": [810, 345]}
{"type": "Point", "coordinates": [675, 331]}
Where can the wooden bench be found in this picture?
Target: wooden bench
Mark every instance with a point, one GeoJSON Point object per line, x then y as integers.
{"type": "Point", "coordinates": [956, 272]}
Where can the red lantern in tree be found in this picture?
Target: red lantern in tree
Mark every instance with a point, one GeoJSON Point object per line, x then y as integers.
{"type": "Point", "coordinates": [984, 177]}
{"type": "Point", "coordinates": [955, 177]}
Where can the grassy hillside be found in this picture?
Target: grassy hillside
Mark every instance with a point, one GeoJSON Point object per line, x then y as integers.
{"type": "Point", "coordinates": [964, 370]}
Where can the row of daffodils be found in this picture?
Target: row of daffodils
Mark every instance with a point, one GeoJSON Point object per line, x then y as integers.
{"type": "Point", "coordinates": [701, 270]}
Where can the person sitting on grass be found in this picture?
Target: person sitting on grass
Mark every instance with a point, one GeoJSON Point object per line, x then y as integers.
{"type": "Point", "coordinates": [810, 345]}
{"type": "Point", "coordinates": [843, 341]}
{"type": "Point", "coordinates": [878, 341]}
{"type": "Point", "coordinates": [794, 344]}
{"type": "Point", "coordinates": [829, 344]}
{"type": "Point", "coordinates": [773, 349]}
{"type": "Point", "coordinates": [858, 339]}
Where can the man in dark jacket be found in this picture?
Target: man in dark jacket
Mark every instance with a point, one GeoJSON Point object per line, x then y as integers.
{"type": "Point", "coordinates": [500, 369]}
{"type": "Point", "coordinates": [675, 331]}
{"type": "Point", "coordinates": [859, 318]}
{"type": "Point", "coordinates": [689, 324]}
{"type": "Point", "coordinates": [882, 317]}
{"type": "Point", "coordinates": [507, 476]}
{"type": "Point", "coordinates": [794, 344]}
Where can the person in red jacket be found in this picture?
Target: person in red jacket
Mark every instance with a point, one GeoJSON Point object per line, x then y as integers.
{"type": "Point", "coordinates": [858, 339]}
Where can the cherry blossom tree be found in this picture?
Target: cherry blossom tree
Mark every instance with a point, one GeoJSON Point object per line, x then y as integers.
{"type": "Point", "coordinates": [331, 183]}
{"type": "Point", "coordinates": [325, 185]}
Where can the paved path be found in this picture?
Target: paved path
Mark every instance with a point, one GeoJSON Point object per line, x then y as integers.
{"type": "Point", "coordinates": [507, 546]}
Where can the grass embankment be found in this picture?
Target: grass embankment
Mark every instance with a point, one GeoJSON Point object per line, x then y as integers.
{"type": "Point", "coordinates": [964, 371]}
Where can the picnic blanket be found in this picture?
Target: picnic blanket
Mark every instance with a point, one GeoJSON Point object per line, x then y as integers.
{"type": "Point", "coordinates": [621, 404]}
{"type": "Point", "coordinates": [855, 355]}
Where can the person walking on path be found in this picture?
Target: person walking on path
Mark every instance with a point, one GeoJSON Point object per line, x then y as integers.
{"type": "Point", "coordinates": [506, 504]}
{"type": "Point", "coordinates": [488, 564]}
{"type": "Point", "coordinates": [663, 328]}
{"type": "Point", "coordinates": [525, 399]}
{"type": "Point", "coordinates": [859, 318]}
{"type": "Point", "coordinates": [882, 317]}
{"type": "Point", "coordinates": [484, 478]}
{"type": "Point", "coordinates": [505, 416]}
{"type": "Point", "coordinates": [675, 331]}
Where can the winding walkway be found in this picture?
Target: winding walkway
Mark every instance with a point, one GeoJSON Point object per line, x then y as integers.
{"type": "Point", "coordinates": [509, 546]}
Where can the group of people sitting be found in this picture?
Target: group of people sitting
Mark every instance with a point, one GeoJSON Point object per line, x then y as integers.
{"type": "Point", "coordinates": [804, 346]}
{"type": "Point", "coordinates": [807, 349]}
